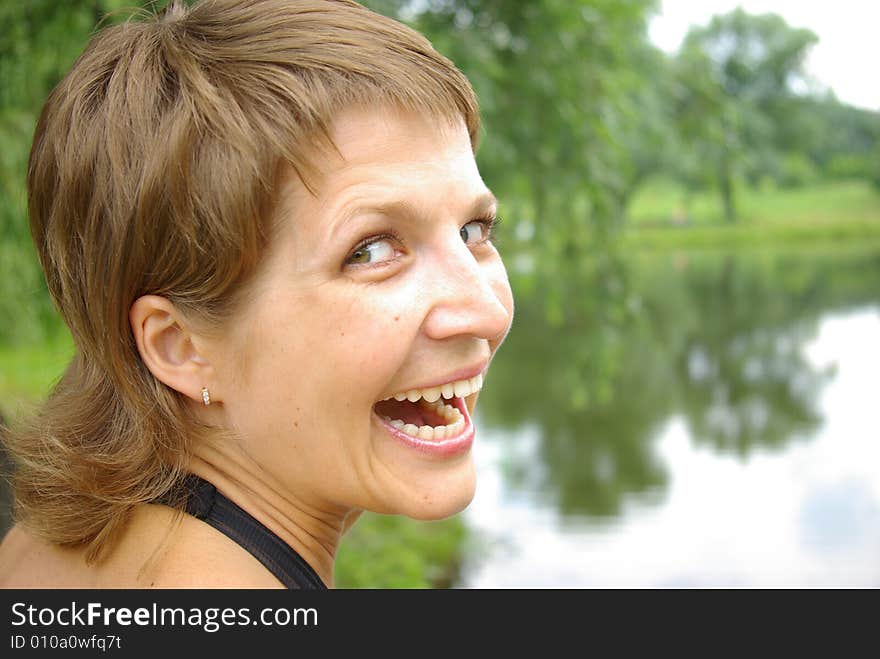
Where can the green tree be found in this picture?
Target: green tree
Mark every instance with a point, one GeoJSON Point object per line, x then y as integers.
{"type": "Point", "coordinates": [738, 77]}
{"type": "Point", "coordinates": [706, 121]}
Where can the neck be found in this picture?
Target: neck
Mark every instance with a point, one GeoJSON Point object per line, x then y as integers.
{"type": "Point", "coordinates": [312, 530]}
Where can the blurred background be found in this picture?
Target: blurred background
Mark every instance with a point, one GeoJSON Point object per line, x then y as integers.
{"type": "Point", "coordinates": [690, 194]}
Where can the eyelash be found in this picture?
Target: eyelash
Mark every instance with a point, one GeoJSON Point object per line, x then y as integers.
{"type": "Point", "coordinates": [490, 224]}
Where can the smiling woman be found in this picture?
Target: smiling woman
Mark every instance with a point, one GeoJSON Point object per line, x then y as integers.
{"type": "Point", "coordinates": [263, 222]}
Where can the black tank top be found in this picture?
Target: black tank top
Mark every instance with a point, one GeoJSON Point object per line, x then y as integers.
{"type": "Point", "coordinates": [206, 503]}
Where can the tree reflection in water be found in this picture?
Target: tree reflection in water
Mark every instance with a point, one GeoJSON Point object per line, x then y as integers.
{"type": "Point", "coordinates": [715, 339]}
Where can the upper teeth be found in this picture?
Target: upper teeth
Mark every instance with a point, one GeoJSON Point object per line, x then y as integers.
{"type": "Point", "coordinates": [458, 389]}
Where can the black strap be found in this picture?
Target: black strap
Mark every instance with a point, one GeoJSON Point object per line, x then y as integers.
{"type": "Point", "coordinates": [207, 504]}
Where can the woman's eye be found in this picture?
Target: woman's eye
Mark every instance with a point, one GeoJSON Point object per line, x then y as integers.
{"type": "Point", "coordinates": [376, 251]}
{"type": "Point", "coordinates": [475, 232]}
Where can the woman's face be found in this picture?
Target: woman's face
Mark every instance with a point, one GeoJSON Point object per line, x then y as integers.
{"type": "Point", "coordinates": [383, 283]}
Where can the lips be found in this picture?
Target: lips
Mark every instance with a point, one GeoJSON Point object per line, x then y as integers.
{"type": "Point", "coordinates": [433, 418]}
{"type": "Point", "coordinates": [443, 441]}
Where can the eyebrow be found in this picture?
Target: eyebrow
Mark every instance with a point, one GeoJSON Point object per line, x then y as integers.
{"type": "Point", "coordinates": [403, 207]}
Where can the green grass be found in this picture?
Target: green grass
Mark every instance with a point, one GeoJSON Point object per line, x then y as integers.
{"type": "Point", "coordinates": [827, 203]}
{"type": "Point", "coordinates": [28, 372]}
{"type": "Point", "coordinates": [663, 202]}
{"type": "Point", "coordinates": [828, 212]}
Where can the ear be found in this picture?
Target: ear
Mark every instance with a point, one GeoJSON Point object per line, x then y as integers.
{"type": "Point", "coordinates": [168, 348]}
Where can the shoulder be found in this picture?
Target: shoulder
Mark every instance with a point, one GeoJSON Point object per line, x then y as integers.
{"type": "Point", "coordinates": [191, 554]}
{"type": "Point", "coordinates": [29, 562]}
{"type": "Point", "coordinates": [13, 549]}
{"type": "Point", "coordinates": [159, 548]}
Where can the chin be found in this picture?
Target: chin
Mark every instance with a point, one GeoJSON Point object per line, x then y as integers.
{"type": "Point", "coordinates": [433, 496]}
{"type": "Point", "coordinates": [443, 496]}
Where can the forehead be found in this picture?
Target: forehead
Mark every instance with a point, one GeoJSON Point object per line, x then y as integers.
{"type": "Point", "coordinates": [384, 154]}
{"type": "Point", "coordinates": [380, 133]}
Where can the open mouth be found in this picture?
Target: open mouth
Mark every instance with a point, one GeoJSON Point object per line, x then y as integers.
{"type": "Point", "coordinates": [431, 414]}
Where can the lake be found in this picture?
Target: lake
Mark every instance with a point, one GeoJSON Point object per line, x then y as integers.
{"type": "Point", "coordinates": [722, 431]}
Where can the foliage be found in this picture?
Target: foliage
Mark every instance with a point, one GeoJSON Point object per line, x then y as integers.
{"type": "Point", "coordinates": [875, 166]}
{"type": "Point", "coordinates": [842, 140]}
{"type": "Point", "coordinates": [27, 372]}
{"type": "Point", "coordinates": [383, 551]}
{"type": "Point", "coordinates": [39, 42]}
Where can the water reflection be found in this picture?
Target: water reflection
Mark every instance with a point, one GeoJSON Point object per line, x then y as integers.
{"type": "Point", "coordinates": [739, 372]}
{"type": "Point", "coordinates": [590, 454]}
{"type": "Point", "coordinates": [714, 342]}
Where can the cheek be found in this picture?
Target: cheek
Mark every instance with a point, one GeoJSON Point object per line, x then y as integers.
{"type": "Point", "coordinates": [347, 343]}
{"type": "Point", "coordinates": [302, 351]}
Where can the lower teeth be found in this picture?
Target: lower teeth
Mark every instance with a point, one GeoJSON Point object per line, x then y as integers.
{"type": "Point", "coordinates": [449, 412]}
{"type": "Point", "coordinates": [428, 432]}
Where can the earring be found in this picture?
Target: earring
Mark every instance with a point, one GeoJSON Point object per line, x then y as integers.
{"type": "Point", "coordinates": [206, 397]}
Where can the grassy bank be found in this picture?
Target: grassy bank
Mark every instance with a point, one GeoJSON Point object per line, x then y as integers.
{"type": "Point", "coordinates": [664, 216]}
{"type": "Point", "coordinates": [749, 236]}
{"type": "Point", "coordinates": [663, 202]}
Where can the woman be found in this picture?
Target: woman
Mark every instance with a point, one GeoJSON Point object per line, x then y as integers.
{"type": "Point", "coordinates": [264, 225]}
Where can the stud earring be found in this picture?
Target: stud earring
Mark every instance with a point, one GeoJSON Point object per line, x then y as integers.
{"type": "Point", "coordinates": [206, 397]}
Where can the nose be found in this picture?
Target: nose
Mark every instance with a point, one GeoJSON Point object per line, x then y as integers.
{"type": "Point", "coordinates": [469, 296]}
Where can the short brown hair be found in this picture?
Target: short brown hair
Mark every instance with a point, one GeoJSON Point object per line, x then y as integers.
{"type": "Point", "coordinates": [153, 169]}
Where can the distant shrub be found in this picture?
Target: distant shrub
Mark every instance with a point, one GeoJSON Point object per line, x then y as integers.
{"type": "Point", "coordinates": [850, 166]}
{"type": "Point", "coordinates": [797, 170]}
{"type": "Point", "coordinates": [875, 168]}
